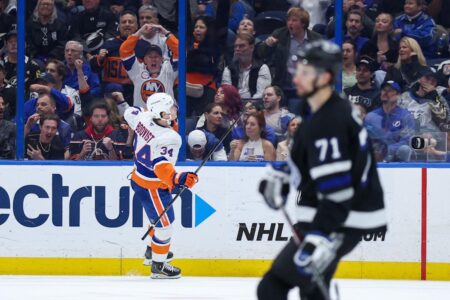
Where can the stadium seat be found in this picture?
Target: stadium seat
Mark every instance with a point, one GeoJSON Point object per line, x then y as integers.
{"type": "Point", "coordinates": [266, 22]}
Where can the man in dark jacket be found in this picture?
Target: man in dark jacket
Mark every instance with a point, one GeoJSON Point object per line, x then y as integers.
{"type": "Point", "coordinates": [284, 43]}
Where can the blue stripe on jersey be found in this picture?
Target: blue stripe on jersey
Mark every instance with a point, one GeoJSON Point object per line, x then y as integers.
{"type": "Point", "coordinates": [336, 182]}
{"type": "Point", "coordinates": [128, 63]}
{"type": "Point", "coordinates": [143, 170]}
{"type": "Point", "coordinates": [157, 160]}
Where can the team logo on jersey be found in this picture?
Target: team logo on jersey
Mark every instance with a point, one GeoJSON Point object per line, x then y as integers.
{"type": "Point", "coordinates": [150, 87]}
{"type": "Point", "coordinates": [396, 124]}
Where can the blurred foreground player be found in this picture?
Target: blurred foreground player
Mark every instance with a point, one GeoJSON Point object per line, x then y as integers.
{"type": "Point", "coordinates": [156, 149]}
{"type": "Point", "coordinates": [333, 167]}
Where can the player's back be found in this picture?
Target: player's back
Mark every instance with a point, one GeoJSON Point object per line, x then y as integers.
{"type": "Point", "coordinates": [152, 144]}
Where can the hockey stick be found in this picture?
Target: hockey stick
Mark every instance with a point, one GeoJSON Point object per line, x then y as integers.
{"type": "Point", "coordinates": [317, 278]}
{"type": "Point", "coordinates": [169, 205]}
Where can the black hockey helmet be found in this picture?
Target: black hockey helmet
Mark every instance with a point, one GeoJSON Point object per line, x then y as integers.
{"type": "Point", "coordinates": [322, 54]}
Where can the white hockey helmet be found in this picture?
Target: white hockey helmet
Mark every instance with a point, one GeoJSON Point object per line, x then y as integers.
{"type": "Point", "coordinates": [159, 103]}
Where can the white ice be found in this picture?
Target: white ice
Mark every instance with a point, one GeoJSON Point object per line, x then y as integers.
{"type": "Point", "coordinates": [198, 288]}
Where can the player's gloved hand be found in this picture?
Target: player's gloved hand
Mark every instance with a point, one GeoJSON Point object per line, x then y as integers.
{"type": "Point", "coordinates": [274, 186]}
{"type": "Point", "coordinates": [188, 179]}
{"type": "Point", "coordinates": [317, 252]}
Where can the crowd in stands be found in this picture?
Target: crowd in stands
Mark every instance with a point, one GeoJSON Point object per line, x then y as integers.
{"type": "Point", "coordinates": [87, 61]}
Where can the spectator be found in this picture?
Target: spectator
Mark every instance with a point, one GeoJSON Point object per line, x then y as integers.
{"type": "Point", "coordinates": [239, 10]}
{"type": "Point", "coordinates": [200, 143]}
{"type": "Point", "coordinates": [416, 24]}
{"type": "Point", "coordinates": [79, 75]}
{"type": "Point", "coordinates": [254, 147]}
{"type": "Point", "coordinates": [46, 144]}
{"type": "Point", "coordinates": [32, 69]}
{"type": "Point", "coordinates": [348, 64]}
{"type": "Point", "coordinates": [228, 97]}
{"type": "Point", "coordinates": [284, 147]}
{"type": "Point", "coordinates": [246, 73]}
{"type": "Point", "coordinates": [354, 26]}
{"type": "Point", "coordinates": [383, 44]}
{"type": "Point", "coordinates": [246, 25]}
{"type": "Point", "coordinates": [45, 104]}
{"type": "Point", "coordinates": [8, 93]}
{"type": "Point", "coordinates": [122, 134]}
{"type": "Point", "coordinates": [253, 107]}
{"type": "Point", "coordinates": [204, 51]}
{"type": "Point", "coordinates": [149, 15]}
{"type": "Point", "coordinates": [46, 34]}
{"type": "Point", "coordinates": [80, 102]}
{"type": "Point", "coordinates": [94, 142]}
{"type": "Point", "coordinates": [7, 134]}
{"type": "Point", "coordinates": [284, 43]}
{"type": "Point", "coordinates": [364, 91]}
{"type": "Point", "coordinates": [351, 5]}
{"type": "Point", "coordinates": [154, 75]}
{"type": "Point", "coordinates": [276, 117]}
{"type": "Point", "coordinates": [410, 62]}
{"type": "Point", "coordinates": [108, 61]}
{"type": "Point", "coordinates": [114, 92]}
{"type": "Point", "coordinates": [213, 124]}
{"type": "Point", "coordinates": [390, 126]}
{"type": "Point", "coordinates": [46, 84]}
{"type": "Point", "coordinates": [425, 102]}
{"type": "Point", "coordinates": [93, 19]}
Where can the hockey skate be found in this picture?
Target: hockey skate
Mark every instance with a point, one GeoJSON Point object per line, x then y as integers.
{"type": "Point", "coordinates": [148, 256]}
{"type": "Point", "coordinates": [163, 270]}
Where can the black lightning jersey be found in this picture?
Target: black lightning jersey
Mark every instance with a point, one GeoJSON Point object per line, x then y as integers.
{"type": "Point", "coordinates": [340, 189]}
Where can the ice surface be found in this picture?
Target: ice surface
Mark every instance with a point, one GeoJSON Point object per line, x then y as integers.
{"type": "Point", "coordinates": [197, 288]}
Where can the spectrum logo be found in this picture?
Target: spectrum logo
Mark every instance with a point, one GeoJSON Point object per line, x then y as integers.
{"type": "Point", "coordinates": [194, 209]}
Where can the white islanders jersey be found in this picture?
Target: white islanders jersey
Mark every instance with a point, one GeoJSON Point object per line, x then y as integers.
{"type": "Point", "coordinates": [153, 145]}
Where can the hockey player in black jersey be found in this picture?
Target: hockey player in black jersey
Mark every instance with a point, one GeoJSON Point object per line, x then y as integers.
{"type": "Point", "coordinates": [333, 167]}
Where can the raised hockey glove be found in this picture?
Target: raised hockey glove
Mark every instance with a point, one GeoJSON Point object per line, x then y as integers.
{"type": "Point", "coordinates": [317, 252]}
{"type": "Point", "coordinates": [274, 187]}
{"type": "Point", "coordinates": [188, 179]}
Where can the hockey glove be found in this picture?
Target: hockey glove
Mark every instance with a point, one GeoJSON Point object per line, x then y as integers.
{"type": "Point", "coordinates": [317, 252]}
{"type": "Point", "coordinates": [188, 179]}
{"type": "Point", "coordinates": [274, 186]}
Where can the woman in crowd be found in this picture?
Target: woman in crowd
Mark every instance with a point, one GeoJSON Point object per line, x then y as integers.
{"type": "Point", "coordinates": [46, 33]}
{"type": "Point", "coordinates": [410, 62]}
{"type": "Point", "coordinates": [228, 97]}
{"type": "Point", "coordinates": [254, 147]}
{"type": "Point", "coordinates": [204, 51]}
{"type": "Point", "coordinates": [383, 43]}
{"type": "Point", "coordinates": [213, 123]}
{"type": "Point", "coordinates": [348, 64]}
{"type": "Point", "coordinates": [284, 147]}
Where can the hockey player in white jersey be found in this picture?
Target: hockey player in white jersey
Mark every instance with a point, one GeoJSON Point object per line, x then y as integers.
{"type": "Point", "coordinates": [156, 147]}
